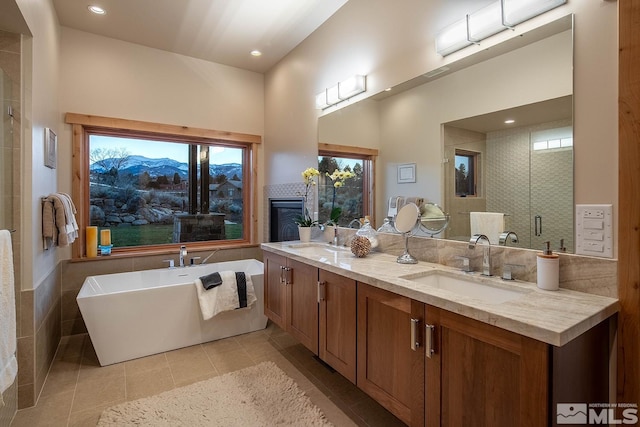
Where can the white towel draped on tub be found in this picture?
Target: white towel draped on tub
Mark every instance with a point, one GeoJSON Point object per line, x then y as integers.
{"type": "Point", "coordinates": [223, 297]}
{"type": "Point", "coordinates": [8, 362]}
{"type": "Point", "coordinates": [491, 224]}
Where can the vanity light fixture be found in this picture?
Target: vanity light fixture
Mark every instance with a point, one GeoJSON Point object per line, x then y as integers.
{"type": "Point", "coordinates": [485, 22]}
{"type": "Point", "coordinates": [490, 20]}
{"type": "Point", "coordinates": [96, 9]}
{"type": "Point", "coordinates": [517, 11]}
{"type": "Point", "coordinates": [453, 38]}
{"type": "Point", "coordinates": [342, 91]}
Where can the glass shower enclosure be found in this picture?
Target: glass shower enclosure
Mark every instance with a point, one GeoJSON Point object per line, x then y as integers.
{"type": "Point", "coordinates": [6, 153]}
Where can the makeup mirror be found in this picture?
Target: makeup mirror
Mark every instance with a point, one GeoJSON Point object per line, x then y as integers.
{"type": "Point", "coordinates": [405, 223]}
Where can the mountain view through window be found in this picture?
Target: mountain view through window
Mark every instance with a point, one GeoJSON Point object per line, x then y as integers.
{"type": "Point", "coordinates": [151, 192]}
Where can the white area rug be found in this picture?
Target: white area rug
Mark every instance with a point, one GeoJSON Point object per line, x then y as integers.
{"type": "Point", "coordinates": [262, 395]}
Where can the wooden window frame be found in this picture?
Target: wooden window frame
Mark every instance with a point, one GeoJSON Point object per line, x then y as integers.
{"type": "Point", "coordinates": [475, 157]}
{"type": "Point", "coordinates": [84, 125]}
{"type": "Point", "coordinates": [369, 167]}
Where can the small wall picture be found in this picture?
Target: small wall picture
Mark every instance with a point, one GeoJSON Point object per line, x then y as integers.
{"type": "Point", "coordinates": [406, 173]}
{"type": "Point", "coordinates": [50, 148]}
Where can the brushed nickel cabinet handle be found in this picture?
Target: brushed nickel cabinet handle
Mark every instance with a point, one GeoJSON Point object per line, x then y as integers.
{"type": "Point", "coordinates": [414, 334]}
{"type": "Point", "coordinates": [429, 340]}
{"type": "Point", "coordinates": [321, 291]}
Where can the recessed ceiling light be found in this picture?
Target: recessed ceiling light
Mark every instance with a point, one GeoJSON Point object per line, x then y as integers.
{"type": "Point", "coordinates": [97, 10]}
{"type": "Point", "coordinates": [388, 89]}
{"type": "Point", "coordinates": [256, 53]}
{"type": "Point", "coordinates": [509, 121]}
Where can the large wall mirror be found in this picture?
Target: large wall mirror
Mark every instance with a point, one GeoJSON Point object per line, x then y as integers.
{"type": "Point", "coordinates": [456, 115]}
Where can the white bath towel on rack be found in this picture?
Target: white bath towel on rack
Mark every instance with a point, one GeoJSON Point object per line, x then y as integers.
{"type": "Point", "coordinates": [8, 361]}
{"type": "Point", "coordinates": [491, 224]}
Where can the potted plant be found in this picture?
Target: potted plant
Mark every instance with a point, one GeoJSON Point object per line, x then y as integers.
{"type": "Point", "coordinates": [338, 177]}
{"type": "Point", "coordinates": [305, 221]}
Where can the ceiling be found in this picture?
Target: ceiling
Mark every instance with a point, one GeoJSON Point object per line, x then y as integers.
{"type": "Point", "coordinates": [221, 31]}
{"type": "Point", "coordinates": [526, 115]}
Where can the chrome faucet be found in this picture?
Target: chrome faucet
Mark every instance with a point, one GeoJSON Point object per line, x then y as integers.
{"type": "Point", "coordinates": [183, 255]}
{"type": "Point", "coordinates": [505, 235]}
{"type": "Point", "coordinates": [486, 252]}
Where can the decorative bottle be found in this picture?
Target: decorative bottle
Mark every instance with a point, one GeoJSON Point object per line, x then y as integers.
{"type": "Point", "coordinates": [369, 232]}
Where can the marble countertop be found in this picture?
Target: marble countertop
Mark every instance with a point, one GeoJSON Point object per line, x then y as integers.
{"type": "Point", "coordinates": [554, 317]}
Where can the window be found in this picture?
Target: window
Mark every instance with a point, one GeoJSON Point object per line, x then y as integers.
{"type": "Point", "coordinates": [155, 185]}
{"type": "Point", "coordinates": [355, 197]}
{"type": "Point", "coordinates": [466, 165]}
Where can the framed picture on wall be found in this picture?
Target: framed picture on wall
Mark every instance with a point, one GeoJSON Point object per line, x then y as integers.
{"type": "Point", "coordinates": [50, 148]}
{"type": "Point", "coordinates": [406, 173]}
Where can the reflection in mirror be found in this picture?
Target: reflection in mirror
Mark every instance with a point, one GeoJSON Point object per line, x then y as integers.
{"type": "Point", "coordinates": [433, 220]}
{"type": "Point", "coordinates": [413, 122]}
{"type": "Point", "coordinates": [523, 169]}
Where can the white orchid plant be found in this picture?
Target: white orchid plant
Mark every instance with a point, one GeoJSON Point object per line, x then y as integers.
{"type": "Point", "coordinates": [309, 177]}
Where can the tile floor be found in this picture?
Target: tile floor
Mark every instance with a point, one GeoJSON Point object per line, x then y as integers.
{"type": "Point", "coordinates": [78, 389]}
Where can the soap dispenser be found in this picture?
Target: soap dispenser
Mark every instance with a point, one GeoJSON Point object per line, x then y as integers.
{"type": "Point", "coordinates": [548, 269]}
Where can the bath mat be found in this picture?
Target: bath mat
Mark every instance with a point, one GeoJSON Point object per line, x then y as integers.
{"type": "Point", "coordinates": [261, 395]}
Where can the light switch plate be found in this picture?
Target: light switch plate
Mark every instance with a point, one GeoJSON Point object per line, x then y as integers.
{"type": "Point", "coordinates": [594, 230]}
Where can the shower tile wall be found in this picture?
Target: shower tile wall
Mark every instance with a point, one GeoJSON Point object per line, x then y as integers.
{"type": "Point", "coordinates": [10, 64]}
{"type": "Point", "coordinates": [509, 190]}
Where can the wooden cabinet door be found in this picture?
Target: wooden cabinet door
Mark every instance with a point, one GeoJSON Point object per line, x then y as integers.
{"type": "Point", "coordinates": [487, 376]}
{"type": "Point", "coordinates": [302, 303]}
{"type": "Point", "coordinates": [389, 370]}
{"type": "Point", "coordinates": [337, 346]}
{"type": "Point", "coordinates": [274, 288]}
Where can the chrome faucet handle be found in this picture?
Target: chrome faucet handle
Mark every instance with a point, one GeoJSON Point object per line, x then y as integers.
{"type": "Point", "coordinates": [171, 263]}
{"type": "Point", "coordinates": [193, 259]}
{"type": "Point", "coordinates": [466, 264]}
{"type": "Point", "coordinates": [507, 273]}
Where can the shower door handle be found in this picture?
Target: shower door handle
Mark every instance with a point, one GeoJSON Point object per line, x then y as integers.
{"type": "Point", "coordinates": [538, 225]}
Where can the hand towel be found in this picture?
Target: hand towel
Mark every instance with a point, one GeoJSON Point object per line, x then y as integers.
{"type": "Point", "coordinates": [211, 280]}
{"type": "Point", "coordinates": [491, 224]}
{"type": "Point", "coordinates": [8, 361]}
{"type": "Point", "coordinates": [226, 296]}
{"type": "Point", "coordinates": [71, 224]}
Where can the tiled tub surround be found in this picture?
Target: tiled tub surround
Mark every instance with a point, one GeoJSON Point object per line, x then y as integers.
{"type": "Point", "coordinates": [553, 317]}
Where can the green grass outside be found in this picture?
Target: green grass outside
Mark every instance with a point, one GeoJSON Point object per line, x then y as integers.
{"type": "Point", "coordinates": [157, 234]}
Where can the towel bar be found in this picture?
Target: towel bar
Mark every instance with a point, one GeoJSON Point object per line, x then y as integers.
{"type": "Point", "coordinates": [468, 213]}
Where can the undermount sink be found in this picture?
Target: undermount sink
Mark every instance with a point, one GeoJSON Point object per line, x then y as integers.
{"type": "Point", "coordinates": [469, 288]}
{"type": "Point", "coordinates": [319, 245]}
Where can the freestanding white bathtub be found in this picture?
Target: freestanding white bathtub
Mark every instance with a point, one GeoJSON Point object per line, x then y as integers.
{"type": "Point", "coordinates": [136, 314]}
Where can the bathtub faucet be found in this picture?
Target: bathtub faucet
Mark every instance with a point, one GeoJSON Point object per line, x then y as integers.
{"type": "Point", "coordinates": [183, 255]}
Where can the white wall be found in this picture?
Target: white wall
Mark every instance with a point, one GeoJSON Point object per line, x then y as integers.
{"type": "Point", "coordinates": [392, 42]}
{"type": "Point", "coordinates": [40, 92]}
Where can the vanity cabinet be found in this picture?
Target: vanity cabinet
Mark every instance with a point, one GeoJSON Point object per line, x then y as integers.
{"type": "Point", "coordinates": [430, 366]}
{"type": "Point", "coordinates": [389, 370]}
{"type": "Point", "coordinates": [337, 328]}
{"type": "Point", "coordinates": [481, 375]}
{"type": "Point", "coordinates": [291, 297]}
